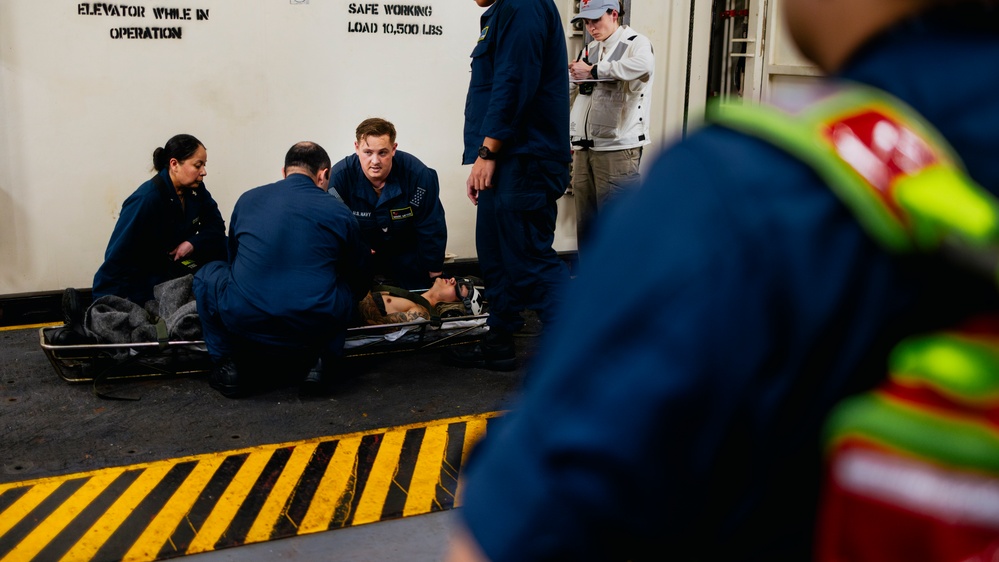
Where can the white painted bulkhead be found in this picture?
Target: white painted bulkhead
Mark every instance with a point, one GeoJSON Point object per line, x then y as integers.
{"type": "Point", "coordinates": [89, 89]}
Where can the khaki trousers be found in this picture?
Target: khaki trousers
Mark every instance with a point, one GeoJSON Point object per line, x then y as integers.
{"type": "Point", "coordinates": [598, 176]}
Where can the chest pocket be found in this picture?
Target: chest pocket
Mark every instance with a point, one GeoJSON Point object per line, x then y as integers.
{"type": "Point", "coordinates": [482, 57]}
{"type": "Point", "coordinates": [607, 109]}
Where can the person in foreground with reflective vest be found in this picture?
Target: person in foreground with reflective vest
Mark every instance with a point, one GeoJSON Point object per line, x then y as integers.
{"type": "Point", "coordinates": [911, 467]}
{"type": "Point", "coordinates": [695, 432]}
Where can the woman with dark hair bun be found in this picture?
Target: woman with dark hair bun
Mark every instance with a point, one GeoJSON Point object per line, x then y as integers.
{"type": "Point", "coordinates": [167, 229]}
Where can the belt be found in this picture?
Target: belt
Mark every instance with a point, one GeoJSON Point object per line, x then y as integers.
{"type": "Point", "coordinates": [585, 144]}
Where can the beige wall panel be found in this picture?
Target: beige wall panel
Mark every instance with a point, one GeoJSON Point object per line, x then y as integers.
{"type": "Point", "coordinates": [82, 111]}
{"type": "Point", "coordinates": [83, 106]}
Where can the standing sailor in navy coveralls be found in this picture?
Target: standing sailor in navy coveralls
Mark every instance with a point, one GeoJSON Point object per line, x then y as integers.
{"type": "Point", "coordinates": [681, 419]}
{"type": "Point", "coordinates": [297, 267]}
{"type": "Point", "coordinates": [396, 200]}
{"type": "Point", "coordinates": [517, 140]}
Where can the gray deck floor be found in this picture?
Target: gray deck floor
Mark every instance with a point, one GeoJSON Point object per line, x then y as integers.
{"type": "Point", "coordinates": [51, 428]}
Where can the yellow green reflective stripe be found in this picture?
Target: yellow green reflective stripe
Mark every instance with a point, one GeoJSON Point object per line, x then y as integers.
{"type": "Point", "coordinates": [918, 209]}
{"type": "Point", "coordinates": [806, 142]}
{"type": "Point", "coordinates": [943, 199]}
{"type": "Point", "coordinates": [958, 442]}
{"type": "Point", "coordinates": [964, 370]}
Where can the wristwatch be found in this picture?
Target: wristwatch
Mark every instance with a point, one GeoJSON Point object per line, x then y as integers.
{"type": "Point", "coordinates": [486, 154]}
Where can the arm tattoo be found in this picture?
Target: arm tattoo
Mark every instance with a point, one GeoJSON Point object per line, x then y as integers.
{"type": "Point", "coordinates": [369, 311]}
{"type": "Point", "coordinates": [408, 316]}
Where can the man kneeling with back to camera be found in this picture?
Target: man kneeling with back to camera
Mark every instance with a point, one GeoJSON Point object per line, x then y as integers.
{"type": "Point", "coordinates": [296, 268]}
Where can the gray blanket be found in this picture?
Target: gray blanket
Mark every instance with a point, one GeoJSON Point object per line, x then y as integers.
{"type": "Point", "coordinates": [113, 319]}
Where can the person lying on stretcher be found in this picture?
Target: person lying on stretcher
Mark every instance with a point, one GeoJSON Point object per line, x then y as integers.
{"type": "Point", "coordinates": [449, 296]}
{"type": "Point", "coordinates": [389, 305]}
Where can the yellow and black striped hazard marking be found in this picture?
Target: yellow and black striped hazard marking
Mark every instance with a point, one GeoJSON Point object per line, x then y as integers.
{"type": "Point", "coordinates": [196, 504]}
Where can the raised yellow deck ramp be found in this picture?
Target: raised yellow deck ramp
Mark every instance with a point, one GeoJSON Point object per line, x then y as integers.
{"type": "Point", "coordinates": [174, 507]}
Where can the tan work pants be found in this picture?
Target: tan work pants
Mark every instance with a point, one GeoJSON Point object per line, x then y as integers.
{"type": "Point", "coordinates": [597, 177]}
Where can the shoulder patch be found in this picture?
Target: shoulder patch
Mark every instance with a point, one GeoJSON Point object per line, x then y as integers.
{"type": "Point", "coordinates": [417, 198]}
{"type": "Point", "coordinates": [897, 174]}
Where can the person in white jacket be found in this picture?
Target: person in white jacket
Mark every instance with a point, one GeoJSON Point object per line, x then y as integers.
{"type": "Point", "coordinates": [609, 122]}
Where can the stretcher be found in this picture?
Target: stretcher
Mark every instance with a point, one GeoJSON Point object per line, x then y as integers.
{"type": "Point", "coordinates": [96, 363]}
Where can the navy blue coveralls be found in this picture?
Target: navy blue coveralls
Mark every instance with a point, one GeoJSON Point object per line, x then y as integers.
{"type": "Point", "coordinates": [151, 224]}
{"type": "Point", "coordinates": [519, 94]}
{"type": "Point", "coordinates": [405, 226]}
{"type": "Point", "coordinates": [679, 419]}
{"type": "Point", "coordinates": [296, 263]}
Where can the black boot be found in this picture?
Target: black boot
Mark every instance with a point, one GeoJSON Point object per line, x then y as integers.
{"type": "Point", "coordinates": [225, 378]}
{"type": "Point", "coordinates": [73, 309]}
{"type": "Point", "coordinates": [495, 352]}
{"type": "Point", "coordinates": [319, 380]}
